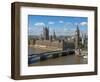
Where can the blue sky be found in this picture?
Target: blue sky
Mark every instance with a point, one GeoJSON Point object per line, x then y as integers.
{"type": "Point", "coordinates": [62, 25]}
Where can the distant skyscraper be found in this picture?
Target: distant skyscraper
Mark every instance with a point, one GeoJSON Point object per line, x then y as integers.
{"type": "Point", "coordinates": [46, 33]}
{"type": "Point", "coordinates": [77, 37]}
{"type": "Point", "coordinates": [83, 39]}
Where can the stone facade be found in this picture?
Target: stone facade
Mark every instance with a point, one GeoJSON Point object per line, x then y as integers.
{"type": "Point", "coordinates": [50, 41]}
{"type": "Point", "coordinates": [49, 44]}
{"type": "Point", "coordinates": [61, 45]}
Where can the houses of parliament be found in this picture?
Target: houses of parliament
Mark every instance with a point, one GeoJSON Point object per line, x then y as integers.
{"type": "Point", "coordinates": [53, 42]}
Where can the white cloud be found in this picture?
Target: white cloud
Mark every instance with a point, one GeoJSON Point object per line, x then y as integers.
{"type": "Point", "coordinates": [39, 24]}
{"type": "Point", "coordinates": [61, 21]}
{"type": "Point", "coordinates": [83, 23]}
{"type": "Point", "coordinates": [51, 22]}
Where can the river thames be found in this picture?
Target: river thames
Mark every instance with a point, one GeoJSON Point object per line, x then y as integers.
{"type": "Point", "coordinates": [63, 60]}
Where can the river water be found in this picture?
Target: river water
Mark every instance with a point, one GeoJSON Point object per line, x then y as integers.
{"type": "Point", "coordinates": [63, 60]}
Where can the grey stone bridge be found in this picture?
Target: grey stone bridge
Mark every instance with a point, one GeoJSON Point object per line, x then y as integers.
{"type": "Point", "coordinates": [34, 58]}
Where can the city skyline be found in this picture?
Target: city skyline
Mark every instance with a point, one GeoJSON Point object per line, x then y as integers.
{"type": "Point", "coordinates": [62, 25]}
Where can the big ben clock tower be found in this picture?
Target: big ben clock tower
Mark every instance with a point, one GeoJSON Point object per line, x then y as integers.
{"type": "Point", "coordinates": [77, 37]}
